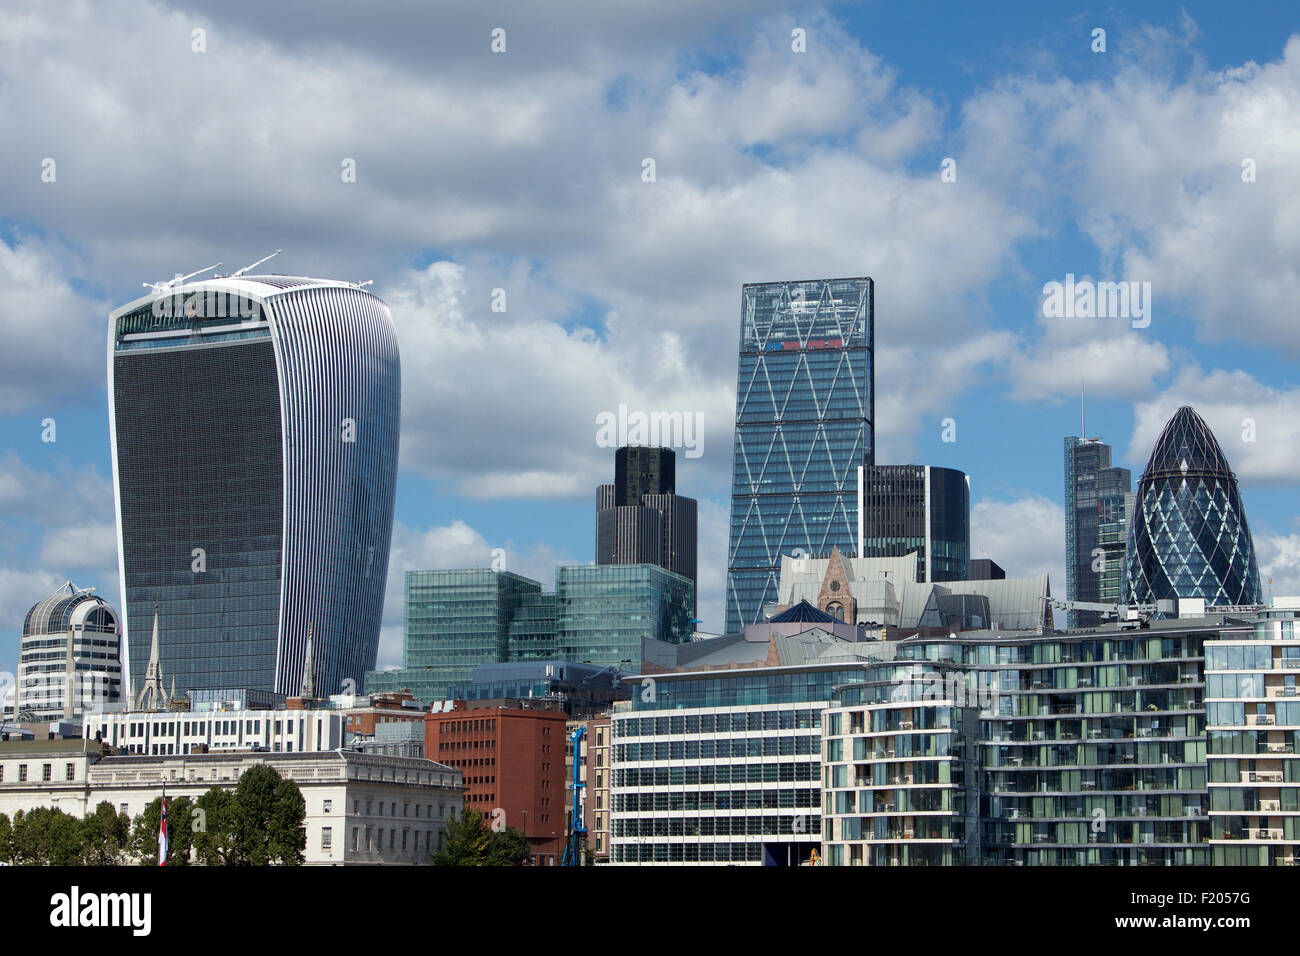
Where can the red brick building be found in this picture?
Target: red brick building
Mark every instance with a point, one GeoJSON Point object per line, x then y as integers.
{"type": "Point", "coordinates": [511, 755]}
{"type": "Point", "coordinates": [382, 708]}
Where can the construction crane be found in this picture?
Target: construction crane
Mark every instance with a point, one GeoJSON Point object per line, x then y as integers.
{"type": "Point", "coordinates": [1132, 615]}
{"type": "Point", "coordinates": [577, 830]}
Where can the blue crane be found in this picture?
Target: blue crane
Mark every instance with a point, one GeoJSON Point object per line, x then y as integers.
{"type": "Point", "coordinates": [577, 830]}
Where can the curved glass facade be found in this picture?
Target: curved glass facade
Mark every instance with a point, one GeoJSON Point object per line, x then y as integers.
{"type": "Point", "coordinates": [255, 429]}
{"type": "Point", "coordinates": [805, 407]}
{"type": "Point", "coordinates": [1189, 537]}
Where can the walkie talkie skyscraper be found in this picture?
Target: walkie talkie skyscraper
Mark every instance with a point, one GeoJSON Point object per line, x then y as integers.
{"type": "Point", "coordinates": [254, 427]}
{"type": "Point", "coordinates": [805, 425]}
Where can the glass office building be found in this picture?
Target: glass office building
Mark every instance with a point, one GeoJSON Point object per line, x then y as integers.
{"type": "Point", "coordinates": [919, 508]}
{"type": "Point", "coordinates": [457, 620]}
{"type": "Point", "coordinates": [1098, 505]}
{"type": "Point", "coordinates": [254, 427]}
{"type": "Point", "coordinates": [608, 612]}
{"type": "Point", "coordinates": [1189, 537]}
{"type": "Point", "coordinates": [805, 413]}
{"type": "Point", "coordinates": [600, 615]}
{"type": "Point", "coordinates": [722, 768]}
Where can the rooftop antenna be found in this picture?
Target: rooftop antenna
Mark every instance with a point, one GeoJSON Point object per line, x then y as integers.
{"type": "Point", "coordinates": [362, 285]}
{"type": "Point", "coordinates": [1083, 427]}
{"type": "Point", "coordinates": [236, 275]}
{"type": "Point", "coordinates": [164, 286]}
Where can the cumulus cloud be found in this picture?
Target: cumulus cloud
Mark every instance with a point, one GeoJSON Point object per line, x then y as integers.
{"type": "Point", "coordinates": [1258, 426]}
{"type": "Point", "coordinates": [1151, 162]}
{"type": "Point", "coordinates": [1279, 564]}
{"type": "Point", "coordinates": [1026, 536]}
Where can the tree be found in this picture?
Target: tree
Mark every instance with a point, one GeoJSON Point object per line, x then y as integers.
{"type": "Point", "coordinates": [260, 823]}
{"type": "Point", "coordinates": [270, 817]}
{"type": "Point", "coordinates": [467, 841]}
{"type": "Point", "coordinates": [217, 843]}
{"type": "Point", "coordinates": [287, 834]}
{"type": "Point", "coordinates": [6, 839]}
{"type": "Point", "coordinates": [105, 836]}
{"type": "Point", "coordinates": [508, 847]}
{"type": "Point", "coordinates": [45, 837]}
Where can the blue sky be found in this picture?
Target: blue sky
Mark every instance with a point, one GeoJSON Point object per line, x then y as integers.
{"type": "Point", "coordinates": [522, 171]}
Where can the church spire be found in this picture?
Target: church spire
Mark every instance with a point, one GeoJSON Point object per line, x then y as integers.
{"type": "Point", "coordinates": [308, 669]}
{"type": "Point", "coordinates": [152, 692]}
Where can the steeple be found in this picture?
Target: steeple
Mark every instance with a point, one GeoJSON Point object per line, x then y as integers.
{"type": "Point", "coordinates": [308, 668]}
{"type": "Point", "coordinates": [152, 692]}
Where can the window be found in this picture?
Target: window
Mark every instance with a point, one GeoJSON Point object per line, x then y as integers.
{"type": "Point", "coordinates": [326, 838]}
{"type": "Point", "coordinates": [327, 806]}
{"type": "Point", "coordinates": [47, 771]}
{"type": "Point", "coordinates": [70, 771]}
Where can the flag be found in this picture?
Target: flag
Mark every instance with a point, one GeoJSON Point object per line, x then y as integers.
{"type": "Point", "coordinates": [162, 834]}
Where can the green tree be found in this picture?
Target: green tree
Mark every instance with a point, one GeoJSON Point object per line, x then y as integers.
{"type": "Point", "coordinates": [508, 847]}
{"type": "Point", "coordinates": [45, 837]}
{"type": "Point", "coordinates": [466, 841]}
{"type": "Point", "coordinates": [6, 839]}
{"type": "Point", "coordinates": [105, 836]}
{"type": "Point", "coordinates": [217, 843]}
{"type": "Point", "coordinates": [286, 832]}
{"type": "Point", "coordinates": [260, 823]}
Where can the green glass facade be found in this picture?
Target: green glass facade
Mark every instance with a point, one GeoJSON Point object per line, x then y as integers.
{"type": "Point", "coordinates": [607, 612]}
{"type": "Point", "coordinates": [456, 620]}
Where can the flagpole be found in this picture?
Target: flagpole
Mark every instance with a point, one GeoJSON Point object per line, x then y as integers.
{"type": "Point", "coordinates": [162, 829]}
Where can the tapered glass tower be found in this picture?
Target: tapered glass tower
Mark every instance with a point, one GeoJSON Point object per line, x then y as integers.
{"type": "Point", "coordinates": [805, 411]}
{"type": "Point", "coordinates": [254, 426]}
{"type": "Point", "coordinates": [1189, 537]}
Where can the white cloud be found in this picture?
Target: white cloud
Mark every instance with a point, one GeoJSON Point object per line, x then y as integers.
{"type": "Point", "coordinates": [1279, 563]}
{"type": "Point", "coordinates": [40, 314]}
{"type": "Point", "coordinates": [1148, 161]}
{"type": "Point", "coordinates": [1257, 426]}
{"type": "Point", "coordinates": [1025, 536]}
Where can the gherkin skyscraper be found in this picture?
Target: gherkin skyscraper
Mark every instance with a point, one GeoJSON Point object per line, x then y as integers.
{"type": "Point", "coordinates": [1189, 537]}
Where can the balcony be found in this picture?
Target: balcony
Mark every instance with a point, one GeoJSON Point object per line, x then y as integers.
{"type": "Point", "coordinates": [1261, 776]}
{"type": "Point", "coordinates": [1270, 806]}
{"type": "Point", "coordinates": [1279, 748]}
{"type": "Point", "coordinates": [1262, 833]}
{"type": "Point", "coordinates": [1260, 720]}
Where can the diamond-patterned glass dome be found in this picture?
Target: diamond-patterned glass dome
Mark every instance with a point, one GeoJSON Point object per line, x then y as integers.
{"type": "Point", "coordinates": [1189, 537]}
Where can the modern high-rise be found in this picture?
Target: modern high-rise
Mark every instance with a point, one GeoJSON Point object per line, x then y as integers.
{"type": "Point", "coordinates": [919, 508]}
{"type": "Point", "coordinates": [1189, 537]}
{"type": "Point", "coordinates": [805, 416]}
{"type": "Point", "coordinates": [254, 425]}
{"type": "Point", "coordinates": [1098, 503]}
{"type": "Point", "coordinates": [69, 656]}
{"type": "Point", "coordinates": [640, 519]}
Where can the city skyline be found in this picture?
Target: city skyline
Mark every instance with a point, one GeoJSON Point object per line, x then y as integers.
{"type": "Point", "coordinates": [960, 328]}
